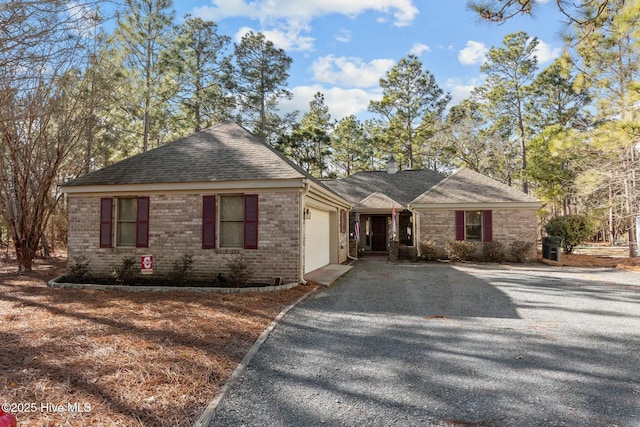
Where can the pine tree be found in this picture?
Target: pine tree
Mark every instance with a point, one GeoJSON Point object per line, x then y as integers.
{"type": "Point", "coordinates": [198, 58]}
{"type": "Point", "coordinates": [411, 106]}
{"type": "Point", "coordinates": [260, 81]}
{"type": "Point", "coordinates": [143, 33]}
{"type": "Point", "coordinates": [510, 71]}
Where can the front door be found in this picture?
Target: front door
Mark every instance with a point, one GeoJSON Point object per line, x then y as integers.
{"type": "Point", "coordinates": [379, 233]}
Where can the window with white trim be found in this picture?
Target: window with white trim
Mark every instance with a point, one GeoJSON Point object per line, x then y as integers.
{"type": "Point", "coordinates": [231, 221]}
{"type": "Point", "coordinates": [126, 219]}
{"type": "Point", "coordinates": [473, 226]}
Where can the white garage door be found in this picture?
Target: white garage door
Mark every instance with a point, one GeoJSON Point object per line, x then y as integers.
{"type": "Point", "coordinates": [317, 246]}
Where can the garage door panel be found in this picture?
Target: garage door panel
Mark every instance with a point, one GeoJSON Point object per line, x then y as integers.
{"type": "Point", "coordinates": [317, 240]}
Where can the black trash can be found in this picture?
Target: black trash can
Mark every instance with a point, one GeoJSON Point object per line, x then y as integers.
{"type": "Point", "coordinates": [551, 246]}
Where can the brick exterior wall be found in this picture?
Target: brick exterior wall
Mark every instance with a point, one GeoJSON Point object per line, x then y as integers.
{"type": "Point", "coordinates": [175, 227]}
{"type": "Point", "coordinates": [509, 225]}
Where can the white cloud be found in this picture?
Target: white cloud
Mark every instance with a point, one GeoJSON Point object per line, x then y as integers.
{"type": "Point", "coordinates": [341, 102]}
{"type": "Point", "coordinates": [225, 9]}
{"type": "Point", "coordinates": [419, 48]}
{"type": "Point", "coordinates": [349, 71]}
{"type": "Point", "coordinates": [294, 16]}
{"type": "Point", "coordinates": [344, 36]}
{"type": "Point", "coordinates": [474, 53]}
{"type": "Point", "coordinates": [546, 53]}
{"type": "Point", "coordinates": [289, 41]}
{"type": "Point", "coordinates": [461, 90]}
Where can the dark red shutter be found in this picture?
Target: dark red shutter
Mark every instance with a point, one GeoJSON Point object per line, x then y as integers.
{"type": "Point", "coordinates": [251, 221]}
{"type": "Point", "coordinates": [208, 222]}
{"type": "Point", "coordinates": [459, 225]}
{"type": "Point", "coordinates": [142, 223]}
{"type": "Point", "coordinates": [487, 226]}
{"type": "Point", "coordinates": [106, 222]}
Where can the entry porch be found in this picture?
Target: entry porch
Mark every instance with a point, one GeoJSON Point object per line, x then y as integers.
{"type": "Point", "coordinates": [371, 232]}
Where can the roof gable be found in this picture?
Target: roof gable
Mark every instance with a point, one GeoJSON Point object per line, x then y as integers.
{"type": "Point", "coordinates": [401, 187]}
{"type": "Point", "coordinates": [468, 186]}
{"type": "Point", "coordinates": [224, 152]}
{"type": "Point", "coordinates": [378, 200]}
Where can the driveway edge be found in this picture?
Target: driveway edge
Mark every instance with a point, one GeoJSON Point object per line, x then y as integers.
{"type": "Point", "coordinates": [210, 411]}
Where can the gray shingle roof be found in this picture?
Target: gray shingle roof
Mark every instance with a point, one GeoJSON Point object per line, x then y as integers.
{"type": "Point", "coordinates": [224, 152]}
{"type": "Point", "coordinates": [468, 186]}
{"type": "Point", "coordinates": [403, 186]}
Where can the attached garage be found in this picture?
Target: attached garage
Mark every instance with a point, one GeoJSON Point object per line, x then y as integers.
{"type": "Point", "coordinates": [317, 237]}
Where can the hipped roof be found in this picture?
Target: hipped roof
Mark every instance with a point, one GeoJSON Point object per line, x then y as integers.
{"type": "Point", "coordinates": [223, 152]}
{"type": "Point", "coordinates": [466, 186]}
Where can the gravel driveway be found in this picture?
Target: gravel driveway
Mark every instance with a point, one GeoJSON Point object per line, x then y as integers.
{"type": "Point", "coordinates": [451, 345]}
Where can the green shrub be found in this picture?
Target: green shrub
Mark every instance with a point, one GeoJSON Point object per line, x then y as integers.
{"type": "Point", "coordinates": [239, 272]}
{"type": "Point", "coordinates": [126, 272]}
{"type": "Point", "coordinates": [520, 250]}
{"type": "Point", "coordinates": [459, 250]}
{"type": "Point", "coordinates": [493, 251]}
{"type": "Point", "coordinates": [79, 272]}
{"type": "Point", "coordinates": [429, 251]}
{"type": "Point", "coordinates": [572, 228]}
{"type": "Point", "coordinates": [181, 270]}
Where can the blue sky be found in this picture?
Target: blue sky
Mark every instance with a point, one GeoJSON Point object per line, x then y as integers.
{"type": "Point", "coordinates": [343, 47]}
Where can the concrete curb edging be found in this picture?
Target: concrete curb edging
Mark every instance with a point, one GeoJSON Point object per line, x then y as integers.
{"type": "Point", "coordinates": [209, 413]}
{"type": "Point", "coordinates": [53, 283]}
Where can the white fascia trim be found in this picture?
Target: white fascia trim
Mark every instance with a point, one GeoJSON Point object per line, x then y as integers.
{"type": "Point", "coordinates": [325, 197]}
{"type": "Point", "coordinates": [186, 187]}
{"type": "Point", "coordinates": [385, 211]}
{"type": "Point", "coordinates": [474, 206]}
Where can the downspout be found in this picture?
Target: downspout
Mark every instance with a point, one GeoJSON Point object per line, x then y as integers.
{"type": "Point", "coordinates": [303, 194]}
{"type": "Point", "coordinates": [416, 232]}
{"type": "Point", "coordinates": [357, 242]}
{"type": "Point", "coordinates": [416, 228]}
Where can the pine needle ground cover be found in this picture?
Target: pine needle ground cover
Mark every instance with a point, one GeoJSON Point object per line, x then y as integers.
{"type": "Point", "coordinates": [109, 358]}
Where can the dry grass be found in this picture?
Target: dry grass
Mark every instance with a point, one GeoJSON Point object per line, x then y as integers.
{"type": "Point", "coordinates": [577, 260]}
{"type": "Point", "coordinates": [138, 359]}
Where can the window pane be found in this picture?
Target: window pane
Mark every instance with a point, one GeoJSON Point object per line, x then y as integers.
{"type": "Point", "coordinates": [473, 217]}
{"type": "Point", "coordinates": [126, 234]}
{"type": "Point", "coordinates": [231, 234]}
{"type": "Point", "coordinates": [232, 208]}
{"type": "Point", "coordinates": [127, 209]}
{"type": "Point", "coordinates": [474, 233]}
{"type": "Point", "coordinates": [473, 225]}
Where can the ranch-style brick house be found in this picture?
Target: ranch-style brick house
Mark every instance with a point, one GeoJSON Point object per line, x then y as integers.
{"type": "Point", "coordinates": [427, 206]}
{"type": "Point", "coordinates": [222, 193]}
{"type": "Point", "coordinates": [216, 195]}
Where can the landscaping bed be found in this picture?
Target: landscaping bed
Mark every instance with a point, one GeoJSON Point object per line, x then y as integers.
{"type": "Point", "coordinates": [165, 286]}
{"type": "Point", "coordinates": [112, 358]}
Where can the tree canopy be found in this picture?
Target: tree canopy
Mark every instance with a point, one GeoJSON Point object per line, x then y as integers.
{"type": "Point", "coordinates": [76, 98]}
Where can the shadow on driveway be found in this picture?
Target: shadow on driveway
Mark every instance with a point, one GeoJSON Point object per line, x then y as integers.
{"type": "Point", "coordinates": [440, 345]}
{"type": "Point", "coordinates": [416, 290]}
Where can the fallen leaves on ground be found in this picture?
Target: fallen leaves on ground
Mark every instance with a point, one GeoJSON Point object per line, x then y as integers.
{"type": "Point", "coordinates": [113, 358]}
